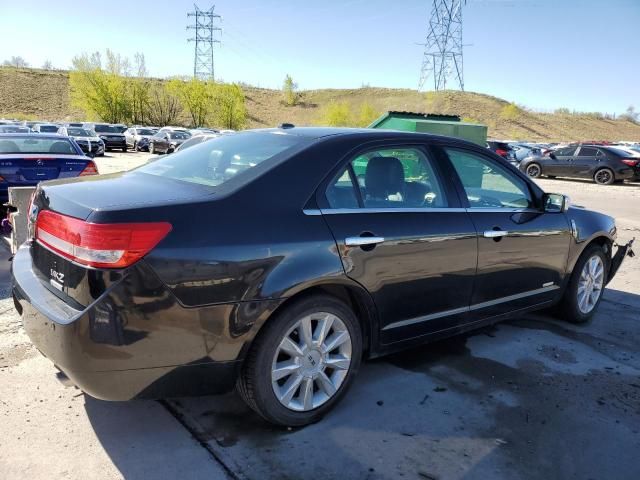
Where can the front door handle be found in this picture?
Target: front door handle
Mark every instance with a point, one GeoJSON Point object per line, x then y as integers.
{"type": "Point", "coordinates": [495, 233]}
{"type": "Point", "coordinates": [362, 241]}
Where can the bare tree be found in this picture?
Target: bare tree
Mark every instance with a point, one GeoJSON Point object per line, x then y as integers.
{"type": "Point", "coordinates": [17, 62]}
{"type": "Point", "coordinates": [47, 65]}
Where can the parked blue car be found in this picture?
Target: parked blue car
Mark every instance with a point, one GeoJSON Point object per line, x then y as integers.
{"type": "Point", "coordinates": [30, 158]}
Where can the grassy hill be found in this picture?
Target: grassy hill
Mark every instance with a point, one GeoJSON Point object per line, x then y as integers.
{"type": "Point", "coordinates": [44, 94]}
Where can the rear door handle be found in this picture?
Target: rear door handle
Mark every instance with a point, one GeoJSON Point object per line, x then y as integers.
{"type": "Point", "coordinates": [495, 233]}
{"type": "Point", "coordinates": [362, 241]}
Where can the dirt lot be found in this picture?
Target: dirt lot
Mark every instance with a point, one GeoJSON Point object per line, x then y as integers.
{"type": "Point", "coordinates": [531, 398]}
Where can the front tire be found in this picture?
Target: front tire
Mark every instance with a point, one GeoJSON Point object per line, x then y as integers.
{"type": "Point", "coordinates": [586, 285]}
{"type": "Point", "coordinates": [302, 362]}
{"type": "Point", "coordinates": [604, 176]}
{"type": "Point", "coordinates": [533, 170]}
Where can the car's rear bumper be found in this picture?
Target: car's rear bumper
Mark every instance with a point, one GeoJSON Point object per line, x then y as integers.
{"type": "Point", "coordinates": [145, 346]}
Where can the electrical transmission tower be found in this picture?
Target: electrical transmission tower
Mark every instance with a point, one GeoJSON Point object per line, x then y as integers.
{"type": "Point", "coordinates": [205, 27]}
{"type": "Point", "coordinates": [442, 59]}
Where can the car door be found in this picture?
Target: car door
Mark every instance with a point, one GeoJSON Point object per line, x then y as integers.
{"type": "Point", "coordinates": [522, 251]}
{"type": "Point", "coordinates": [560, 162]}
{"type": "Point", "coordinates": [585, 162]}
{"type": "Point", "coordinates": [404, 237]}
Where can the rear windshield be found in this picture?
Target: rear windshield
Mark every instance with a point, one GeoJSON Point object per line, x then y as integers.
{"type": "Point", "coordinates": [618, 152]}
{"type": "Point", "coordinates": [106, 129]}
{"type": "Point", "coordinates": [49, 128]}
{"type": "Point", "coordinates": [220, 159]}
{"type": "Point", "coordinates": [145, 131]}
{"type": "Point", "coordinates": [13, 129]}
{"type": "Point", "coordinates": [37, 145]}
{"type": "Point", "coordinates": [179, 135]}
{"type": "Point", "coordinates": [78, 132]}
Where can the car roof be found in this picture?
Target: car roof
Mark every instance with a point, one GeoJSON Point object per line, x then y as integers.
{"type": "Point", "coordinates": [34, 135]}
{"type": "Point", "coordinates": [371, 133]}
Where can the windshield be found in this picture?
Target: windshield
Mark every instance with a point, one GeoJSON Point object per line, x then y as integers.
{"type": "Point", "coordinates": [60, 146]}
{"type": "Point", "coordinates": [179, 135]}
{"type": "Point", "coordinates": [106, 129]}
{"type": "Point", "coordinates": [79, 132]}
{"type": "Point", "coordinates": [49, 128]}
{"type": "Point", "coordinates": [220, 159]}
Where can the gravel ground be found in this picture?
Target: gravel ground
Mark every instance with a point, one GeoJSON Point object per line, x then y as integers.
{"type": "Point", "coordinates": [527, 399]}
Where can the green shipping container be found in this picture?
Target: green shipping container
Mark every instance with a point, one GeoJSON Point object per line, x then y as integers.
{"type": "Point", "coordinates": [448, 125]}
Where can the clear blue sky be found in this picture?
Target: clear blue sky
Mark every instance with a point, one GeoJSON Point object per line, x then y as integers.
{"type": "Point", "coordinates": [580, 54]}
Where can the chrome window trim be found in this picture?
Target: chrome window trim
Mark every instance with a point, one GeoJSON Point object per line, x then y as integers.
{"type": "Point", "coordinates": [477, 306]}
{"type": "Point", "coordinates": [348, 211]}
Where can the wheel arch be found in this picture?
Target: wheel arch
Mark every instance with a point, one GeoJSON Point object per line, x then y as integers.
{"type": "Point", "coordinates": [348, 292]}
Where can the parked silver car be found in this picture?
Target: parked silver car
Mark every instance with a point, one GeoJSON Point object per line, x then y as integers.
{"type": "Point", "coordinates": [133, 135]}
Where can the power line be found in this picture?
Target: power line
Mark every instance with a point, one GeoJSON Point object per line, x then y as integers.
{"type": "Point", "coordinates": [442, 59]}
{"type": "Point", "coordinates": [205, 26]}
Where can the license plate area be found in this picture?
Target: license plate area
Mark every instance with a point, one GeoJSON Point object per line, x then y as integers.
{"type": "Point", "coordinates": [53, 269]}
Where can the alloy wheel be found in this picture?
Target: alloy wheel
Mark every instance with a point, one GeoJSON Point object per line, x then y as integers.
{"type": "Point", "coordinates": [533, 170]}
{"type": "Point", "coordinates": [311, 362]}
{"type": "Point", "coordinates": [590, 284]}
{"type": "Point", "coordinates": [603, 176]}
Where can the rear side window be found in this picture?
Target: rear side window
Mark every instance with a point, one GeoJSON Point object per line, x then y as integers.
{"type": "Point", "coordinates": [402, 177]}
{"type": "Point", "coordinates": [587, 152]}
{"type": "Point", "coordinates": [487, 184]}
{"type": "Point", "coordinates": [217, 161]}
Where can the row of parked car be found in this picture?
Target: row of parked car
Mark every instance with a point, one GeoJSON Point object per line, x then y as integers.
{"type": "Point", "coordinates": [94, 139]}
{"type": "Point", "coordinates": [603, 162]}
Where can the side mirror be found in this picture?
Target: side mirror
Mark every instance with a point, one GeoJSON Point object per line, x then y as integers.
{"type": "Point", "coordinates": [556, 202]}
{"type": "Point", "coordinates": [553, 156]}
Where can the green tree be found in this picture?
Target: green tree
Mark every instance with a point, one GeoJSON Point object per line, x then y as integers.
{"type": "Point", "coordinates": [196, 97]}
{"type": "Point", "coordinates": [138, 92]}
{"type": "Point", "coordinates": [163, 105]}
{"type": "Point", "coordinates": [367, 115]}
{"type": "Point", "coordinates": [230, 108]}
{"type": "Point", "coordinates": [510, 112]}
{"type": "Point", "coordinates": [290, 91]}
{"type": "Point", "coordinates": [100, 92]}
{"type": "Point", "coordinates": [337, 114]}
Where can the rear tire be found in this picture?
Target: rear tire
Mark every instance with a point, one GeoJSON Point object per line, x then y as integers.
{"type": "Point", "coordinates": [583, 295]}
{"type": "Point", "coordinates": [533, 170]}
{"type": "Point", "coordinates": [124, 149]}
{"type": "Point", "coordinates": [299, 388]}
{"type": "Point", "coordinates": [604, 176]}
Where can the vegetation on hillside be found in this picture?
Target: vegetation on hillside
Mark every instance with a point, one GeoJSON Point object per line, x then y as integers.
{"type": "Point", "coordinates": [35, 93]}
{"type": "Point", "coordinates": [116, 91]}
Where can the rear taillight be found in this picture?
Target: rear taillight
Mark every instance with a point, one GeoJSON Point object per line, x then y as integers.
{"type": "Point", "coordinates": [90, 169]}
{"type": "Point", "coordinates": [632, 162]}
{"type": "Point", "coordinates": [100, 245]}
{"type": "Point", "coordinates": [501, 152]}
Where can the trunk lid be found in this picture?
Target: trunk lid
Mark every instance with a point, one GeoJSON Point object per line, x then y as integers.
{"type": "Point", "coordinates": [117, 198]}
{"type": "Point", "coordinates": [30, 169]}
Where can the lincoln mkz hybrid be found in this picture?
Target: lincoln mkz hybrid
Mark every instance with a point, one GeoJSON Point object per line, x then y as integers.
{"type": "Point", "coordinates": [275, 260]}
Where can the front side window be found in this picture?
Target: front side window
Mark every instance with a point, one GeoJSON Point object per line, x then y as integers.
{"type": "Point", "coordinates": [487, 184]}
{"type": "Point", "coordinates": [401, 177]}
{"type": "Point", "coordinates": [565, 152]}
{"type": "Point", "coordinates": [587, 152]}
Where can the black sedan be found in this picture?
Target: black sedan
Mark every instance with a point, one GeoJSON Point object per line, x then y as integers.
{"type": "Point", "coordinates": [167, 141]}
{"type": "Point", "coordinates": [275, 260]}
{"type": "Point", "coordinates": [604, 165]}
